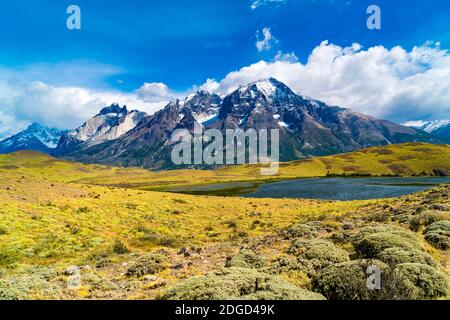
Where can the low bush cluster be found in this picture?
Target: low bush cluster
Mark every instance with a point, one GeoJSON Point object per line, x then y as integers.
{"type": "Point", "coordinates": [424, 219]}
{"type": "Point", "coordinates": [348, 281]}
{"type": "Point", "coordinates": [300, 231]}
{"type": "Point", "coordinates": [438, 234]}
{"type": "Point", "coordinates": [395, 256]}
{"type": "Point", "coordinates": [245, 259]}
{"type": "Point", "coordinates": [426, 281]}
{"type": "Point", "coordinates": [119, 247]}
{"type": "Point", "coordinates": [372, 241]}
{"type": "Point", "coordinates": [237, 284]}
{"type": "Point", "coordinates": [33, 284]}
{"type": "Point", "coordinates": [149, 264]}
{"type": "Point", "coordinates": [316, 254]}
{"type": "Point", "coordinates": [285, 263]}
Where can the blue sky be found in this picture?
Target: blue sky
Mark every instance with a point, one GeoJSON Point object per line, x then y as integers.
{"type": "Point", "coordinates": [180, 43]}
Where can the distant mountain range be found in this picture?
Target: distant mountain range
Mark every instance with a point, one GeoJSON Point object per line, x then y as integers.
{"type": "Point", "coordinates": [440, 129]}
{"type": "Point", "coordinates": [307, 127]}
{"type": "Point", "coordinates": [35, 137]}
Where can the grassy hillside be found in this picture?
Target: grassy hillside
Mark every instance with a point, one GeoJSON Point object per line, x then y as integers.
{"type": "Point", "coordinates": [129, 243]}
{"type": "Point", "coordinates": [411, 159]}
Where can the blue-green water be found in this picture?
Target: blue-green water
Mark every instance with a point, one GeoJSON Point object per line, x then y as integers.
{"type": "Point", "coordinates": [345, 188]}
{"type": "Point", "coordinates": [320, 188]}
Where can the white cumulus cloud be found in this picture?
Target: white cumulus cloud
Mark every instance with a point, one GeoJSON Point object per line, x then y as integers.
{"type": "Point", "coordinates": [393, 84]}
{"type": "Point", "coordinates": [153, 92]}
{"type": "Point", "coordinates": [66, 107]}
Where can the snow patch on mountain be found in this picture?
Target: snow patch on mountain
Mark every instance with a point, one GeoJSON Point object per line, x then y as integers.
{"type": "Point", "coordinates": [111, 123]}
{"type": "Point", "coordinates": [435, 125]}
{"type": "Point", "coordinates": [428, 126]}
{"type": "Point", "coordinates": [36, 137]}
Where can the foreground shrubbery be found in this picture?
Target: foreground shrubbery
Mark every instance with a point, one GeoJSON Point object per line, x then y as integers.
{"type": "Point", "coordinates": [348, 281]}
{"type": "Point", "coordinates": [316, 254]}
{"type": "Point", "coordinates": [236, 284]}
{"type": "Point", "coordinates": [149, 264]}
{"type": "Point", "coordinates": [245, 259]}
{"type": "Point", "coordinates": [438, 234]}
{"type": "Point", "coordinates": [424, 219]}
{"type": "Point", "coordinates": [300, 231]}
{"type": "Point", "coordinates": [426, 281]}
{"type": "Point", "coordinates": [395, 256]}
{"type": "Point", "coordinates": [372, 241]}
{"type": "Point", "coordinates": [32, 284]}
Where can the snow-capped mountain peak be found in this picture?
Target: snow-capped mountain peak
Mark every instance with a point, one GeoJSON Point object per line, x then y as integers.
{"type": "Point", "coordinates": [36, 137]}
{"type": "Point", "coordinates": [203, 105]}
{"type": "Point", "coordinates": [48, 136]}
{"type": "Point", "coordinates": [271, 88]}
{"type": "Point", "coordinates": [432, 126]}
{"type": "Point", "coordinates": [111, 123]}
{"type": "Point", "coordinates": [438, 128]}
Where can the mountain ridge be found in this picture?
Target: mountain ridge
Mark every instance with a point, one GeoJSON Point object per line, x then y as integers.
{"type": "Point", "coordinates": [307, 127]}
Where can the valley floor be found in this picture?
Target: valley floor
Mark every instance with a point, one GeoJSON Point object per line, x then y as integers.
{"type": "Point", "coordinates": [70, 231]}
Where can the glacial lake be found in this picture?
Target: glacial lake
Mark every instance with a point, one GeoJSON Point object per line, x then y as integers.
{"type": "Point", "coordinates": [318, 188]}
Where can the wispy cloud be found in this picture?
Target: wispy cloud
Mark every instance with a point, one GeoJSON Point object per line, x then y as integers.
{"type": "Point", "coordinates": [264, 39]}
{"type": "Point", "coordinates": [258, 3]}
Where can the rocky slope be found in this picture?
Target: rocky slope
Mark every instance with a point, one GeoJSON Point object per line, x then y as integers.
{"type": "Point", "coordinates": [111, 123]}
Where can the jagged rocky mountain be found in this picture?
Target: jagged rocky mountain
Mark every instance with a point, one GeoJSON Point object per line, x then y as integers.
{"type": "Point", "coordinates": [36, 137]}
{"type": "Point", "coordinates": [440, 129]}
{"type": "Point", "coordinates": [111, 123]}
{"type": "Point", "coordinates": [203, 106]}
{"type": "Point", "coordinates": [307, 127]}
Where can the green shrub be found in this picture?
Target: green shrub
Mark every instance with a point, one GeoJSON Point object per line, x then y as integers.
{"type": "Point", "coordinates": [231, 224]}
{"type": "Point", "coordinates": [426, 218]}
{"type": "Point", "coordinates": [395, 256]}
{"type": "Point", "coordinates": [33, 285]}
{"type": "Point", "coordinates": [237, 284]}
{"type": "Point", "coordinates": [386, 228]}
{"type": "Point", "coordinates": [348, 281]}
{"type": "Point", "coordinates": [371, 241]}
{"type": "Point", "coordinates": [149, 264]}
{"type": "Point", "coordinates": [83, 210]}
{"type": "Point", "coordinates": [120, 248]}
{"type": "Point", "coordinates": [438, 234]}
{"type": "Point", "coordinates": [155, 237]}
{"type": "Point", "coordinates": [428, 282]}
{"type": "Point", "coordinates": [245, 259]}
{"type": "Point", "coordinates": [284, 263]}
{"type": "Point", "coordinates": [13, 290]}
{"type": "Point", "coordinates": [316, 254]}
{"type": "Point", "coordinates": [300, 231]}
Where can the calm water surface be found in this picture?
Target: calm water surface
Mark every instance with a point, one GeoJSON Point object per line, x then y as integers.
{"type": "Point", "coordinates": [321, 188]}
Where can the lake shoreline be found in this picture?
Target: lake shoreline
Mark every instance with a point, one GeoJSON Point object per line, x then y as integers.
{"type": "Point", "coordinates": [250, 189]}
